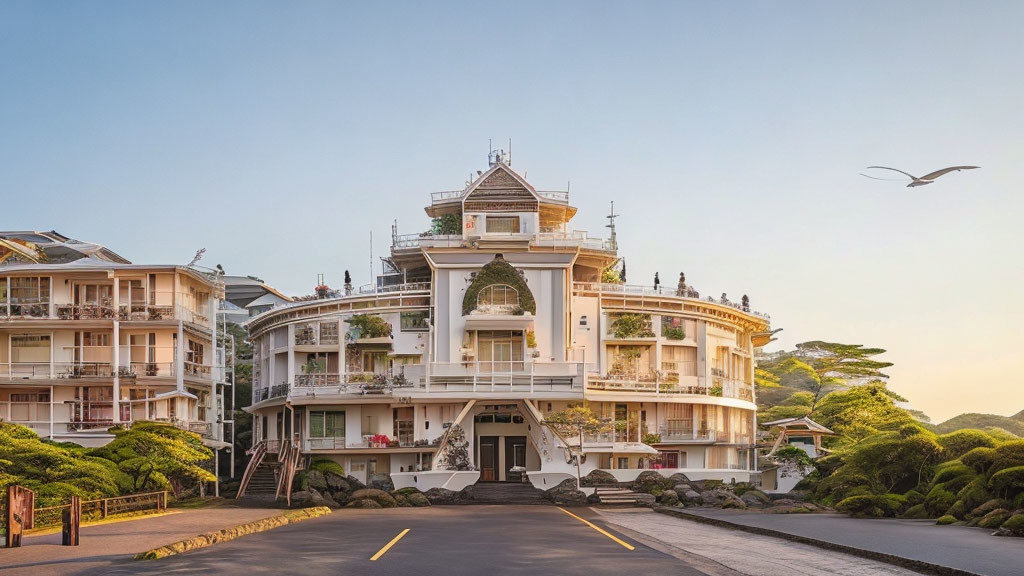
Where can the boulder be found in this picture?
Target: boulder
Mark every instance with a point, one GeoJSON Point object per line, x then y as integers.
{"type": "Point", "coordinates": [756, 499]}
{"type": "Point", "coordinates": [442, 496]}
{"type": "Point", "coordinates": [315, 479]}
{"type": "Point", "coordinates": [1014, 525]}
{"type": "Point", "coordinates": [381, 497]}
{"type": "Point", "coordinates": [354, 483]}
{"type": "Point", "coordinates": [668, 498]}
{"type": "Point", "coordinates": [690, 498]}
{"type": "Point", "coordinates": [417, 500]}
{"type": "Point", "coordinates": [645, 499]}
{"type": "Point", "coordinates": [302, 498]}
{"type": "Point", "coordinates": [679, 478]}
{"type": "Point", "coordinates": [566, 494]}
{"type": "Point", "coordinates": [994, 519]}
{"type": "Point", "coordinates": [337, 483]}
{"type": "Point", "coordinates": [401, 501]}
{"type": "Point", "coordinates": [652, 482]}
{"type": "Point", "coordinates": [682, 489]}
{"type": "Point", "coordinates": [330, 501]}
{"type": "Point", "coordinates": [384, 484]}
{"type": "Point", "coordinates": [363, 504]}
{"type": "Point", "coordinates": [340, 497]}
{"type": "Point", "coordinates": [734, 502]}
{"type": "Point", "coordinates": [985, 508]}
{"type": "Point", "coordinates": [599, 478]}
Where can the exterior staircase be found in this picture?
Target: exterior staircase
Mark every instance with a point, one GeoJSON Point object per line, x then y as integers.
{"type": "Point", "coordinates": [507, 493]}
{"type": "Point", "coordinates": [614, 495]}
{"type": "Point", "coordinates": [263, 483]}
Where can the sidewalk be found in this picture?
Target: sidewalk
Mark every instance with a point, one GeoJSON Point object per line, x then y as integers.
{"type": "Point", "coordinates": [745, 553]}
{"type": "Point", "coordinates": [970, 549]}
{"type": "Point", "coordinates": [101, 545]}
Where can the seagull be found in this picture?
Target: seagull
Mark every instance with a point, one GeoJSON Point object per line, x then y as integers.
{"type": "Point", "coordinates": [926, 179]}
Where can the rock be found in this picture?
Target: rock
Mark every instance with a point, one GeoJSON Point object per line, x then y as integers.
{"type": "Point", "coordinates": [994, 519]}
{"type": "Point", "coordinates": [330, 501]}
{"type": "Point", "coordinates": [381, 497]}
{"type": "Point", "coordinates": [566, 494]}
{"type": "Point", "coordinates": [337, 483]}
{"type": "Point", "coordinates": [316, 498]}
{"type": "Point", "coordinates": [985, 508]}
{"type": "Point", "coordinates": [651, 482]}
{"type": "Point", "coordinates": [734, 503]}
{"type": "Point", "coordinates": [708, 497]}
{"type": "Point", "coordinates": [698, 485]}
{"type": "Point", "coordinates": [599, 478]}
{"type": "Point", "coordinates": [682, 489]}
{"type": "Point", "coordinates": [690, 498]}
{"type": "Point", "coordinates": [756, 498]}
{"type": "Point", "coordinates": [679, 478]}
{"type": "Point", "coordinates": [302, 498]}
{"type": "Point", "coordinates": [354, 483]}
{"type": "Point", "coordinates": [315, 479]}
{"type": "Point", "coordinates": [593, 499]}
{"type": "Point", "coordinates": [384, 484]}
{"type": "Point", "coordinates": [340, 497]}
{"type": "Point", "coordinates": [417, 500]}
{"type": "Point", "coordinates": [442, 496]}
{"type": "Point", "coordinates": [363, 504]}
{"type": "Point", "coordinates": [645, 499]}
{"type": "Point", "coordinates": [668, 498]}
{"type": "Point", "coordinates": [401, 501]}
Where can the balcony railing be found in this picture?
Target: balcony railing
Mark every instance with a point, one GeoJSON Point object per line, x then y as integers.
{"type": "Point", "coordinates": [197, 370]}
{"type": "Point", "coordinates": [325, 443]}
{"type": "Point", "coordinates": [684, 432]}
{"type": "Point", "coordinates": [153, 369]}
{"type": "Point", "coordinates": [666, 291]}
{"type": "Point", "coordinates": [445, 195]}
{"type": "Point", "coordinates": [85, 311]}
{"type": "Point", "coordinates": [26, 308]}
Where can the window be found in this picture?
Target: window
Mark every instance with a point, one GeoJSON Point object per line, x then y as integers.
{"type": "Point", "coordinates": [39, 397]}
{"type": "Point", "coordinates": [327, 424]}
{"type": "Point", "coordinates": [195, 352]}
{"type": "Point", "coordinates": [30, 297]}
{"type": "Point", "coordinates": [583, 320]}
{"type": "Point", "coordinates": [502, 224]}
{"type": "Point", "coordinates": [414, 321]}
{"type": "Point", "coordinates": [622, 462]}
{"type": "Point", "coordinates": [498, 295]}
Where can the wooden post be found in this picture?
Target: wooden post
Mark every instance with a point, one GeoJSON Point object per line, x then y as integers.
{"type": "Point", "coordinates": [72, 519]}
{"type": "Point", "coordinates": [29, 508]}
{"type": "Point", "coordinates": [103, 508]}
{"type": "Point", "coordinates": [15, 515]}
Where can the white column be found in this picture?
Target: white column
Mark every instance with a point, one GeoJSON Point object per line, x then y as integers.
{"type": "Point", "coordinates": [179, 361]}
{"type": "Point", "coordinates": [291, 356]}
{"type": "Point", "coordinates": [115, 356]}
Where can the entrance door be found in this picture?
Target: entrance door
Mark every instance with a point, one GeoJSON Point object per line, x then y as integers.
{"type": "Point", "coordinates": [515, 458]}
{"type": "Point", "coordinates": [489, 458]}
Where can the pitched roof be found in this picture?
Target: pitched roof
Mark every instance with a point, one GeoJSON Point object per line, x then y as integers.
{"type": "Point", "coordinates": [802, 423]}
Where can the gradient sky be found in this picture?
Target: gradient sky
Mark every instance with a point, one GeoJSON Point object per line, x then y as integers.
{"type": "Point", "coordinates": [730, 135]}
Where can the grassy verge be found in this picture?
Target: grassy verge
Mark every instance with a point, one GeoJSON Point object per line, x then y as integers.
{"type": "Point", "coordinates": [227, 534]}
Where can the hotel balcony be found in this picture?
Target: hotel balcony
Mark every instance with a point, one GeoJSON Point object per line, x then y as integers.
{"type": "Point", "coordinates": [683, 431]}
{"type": "Point", "coordinates": [686, 385]}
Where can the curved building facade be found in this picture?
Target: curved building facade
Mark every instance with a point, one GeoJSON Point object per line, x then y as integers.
{"type": "Point", "coordinates": [494, 319]}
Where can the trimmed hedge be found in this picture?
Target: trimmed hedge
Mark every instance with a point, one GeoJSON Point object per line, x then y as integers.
{"type": "Point", "coordinates": [498, 271]}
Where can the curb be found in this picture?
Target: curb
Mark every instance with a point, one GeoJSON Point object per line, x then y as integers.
{"type": "Point", "coordinates": [918, 565]}
{"type": "Point", "coordinates": [227, 534]}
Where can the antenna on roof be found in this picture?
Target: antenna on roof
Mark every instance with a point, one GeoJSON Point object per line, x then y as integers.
{"type": "Point", "coordinates": [510, 152]}
{"type": "Point", "coordinates": [197, 257]}
{"type": "Point", "coordinates": [611, 224]}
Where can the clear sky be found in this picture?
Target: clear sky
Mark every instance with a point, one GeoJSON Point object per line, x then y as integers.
{"type": "Point", "coordinates": [730, 135]}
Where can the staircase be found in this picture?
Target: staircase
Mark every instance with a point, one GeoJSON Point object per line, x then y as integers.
{"type": "Point", "coordinates": [263, 483]}
{"type": "Point", "coordinates": [613, 495]}
{"type": "Point", "coordinates": [507, 493]}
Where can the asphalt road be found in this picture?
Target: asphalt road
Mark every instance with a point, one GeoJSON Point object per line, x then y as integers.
{"type": "Point", "coordinates": [450, 540]}
{"type": "Point", "coordinates": [971, 549]}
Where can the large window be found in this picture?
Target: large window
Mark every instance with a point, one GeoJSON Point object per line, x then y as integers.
{"type": "Point", "coordinates": [498, 295]}
{"type": "Point", "coordinates": [502, 224]}
{"type": "Point", "coordinates": [327, 424]}
{"type": "Point", "coordinates": [414, 321]}
{"type": "Point", "coordinates": [30, 296]}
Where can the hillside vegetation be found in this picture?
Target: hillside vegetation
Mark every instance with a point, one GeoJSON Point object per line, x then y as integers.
{"type": "Point", "coordinates": [885, 462]}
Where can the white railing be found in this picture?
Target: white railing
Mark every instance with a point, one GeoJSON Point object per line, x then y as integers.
{"type": "Point", "coordinates": [505, 376]}
{"type": "Point", "coordinates": [445, 195]}
{"type": "Point", "coordinates": [325, 443]}
{"type": "Point", "coordinates": [557, 195]}
{"type": "Point", "coordinates": [663, 290]}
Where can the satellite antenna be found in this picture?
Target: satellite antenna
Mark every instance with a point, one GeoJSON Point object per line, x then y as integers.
{"type": "Point", "coordinates": [611, 225]}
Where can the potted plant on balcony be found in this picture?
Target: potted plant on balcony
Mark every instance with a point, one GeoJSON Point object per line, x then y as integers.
{"type": "Point", "coordinates": [531, 344]}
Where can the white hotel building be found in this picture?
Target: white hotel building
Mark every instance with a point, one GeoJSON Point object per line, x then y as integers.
{"type": "Point", "coordinates": [493, 320]}
{"type": "Point", "coordinates": [89, 340]}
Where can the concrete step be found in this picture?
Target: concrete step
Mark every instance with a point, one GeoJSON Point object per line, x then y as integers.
{"type": "Point", "coordinates": [507, 493]}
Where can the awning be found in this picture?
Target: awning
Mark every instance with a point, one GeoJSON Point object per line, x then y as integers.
{"type": "Point", "coordinates": [619, 448]}
{"type": "Point", "coordinates": [215, 444]}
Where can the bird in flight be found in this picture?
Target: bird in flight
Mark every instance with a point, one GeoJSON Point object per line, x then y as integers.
{"type": "Point", "coordinates": [926, 179]}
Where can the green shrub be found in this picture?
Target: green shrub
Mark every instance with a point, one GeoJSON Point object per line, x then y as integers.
{"type": "Point", "coordinates": [1008, 455]}
{"type": "Point", "coordinates": [1015, 524]}
{"type": "Point", "coordinates": [944, 520]}
{"type": "Point", "coordinates": [326, 465]}
{"type": "Point", "coordinates": [974, 494]}
{"type": "Point", "coordinates": [914, 498]}
{"type": "Point", "coordinates": [498, 271]}
{"type": "Point", "coordinates": [938, 500]}
{"type": "Point", "coordinates": [369, 326]}
{"type": "Point", "coordinates": [979, 459]}
{"type": "Point", "coordinates": [994, 519]}
{"type": "Point", "coordinates": [447, 224]}
{"type": "Point", "coordinates": [958, 509]}
{"type": "Point", "coordinates": [673, 332]}
{"type": "Point", "coordinates": [917, 512]}
{"type": "Point", "coordinates": [883, 505]}
{"type": "Point", "coordinates": [956, 444]}
{"type": "Point", "coordinates": [632, 325]}
{"type": "Point", "coordinates": [1008, 481]}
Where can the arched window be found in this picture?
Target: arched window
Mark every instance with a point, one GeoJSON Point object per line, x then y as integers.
{"type": "Point", "coordinates": [498, 295]}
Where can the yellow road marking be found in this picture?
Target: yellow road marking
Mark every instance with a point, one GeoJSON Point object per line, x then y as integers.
{"type": "Point", "coordinates": [389, 545]}
{"type": "Point", "coordinates": [626, 545]}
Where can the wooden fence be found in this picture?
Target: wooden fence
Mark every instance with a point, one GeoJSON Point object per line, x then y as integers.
{"type": "Point", "coordinates": [47, 516]}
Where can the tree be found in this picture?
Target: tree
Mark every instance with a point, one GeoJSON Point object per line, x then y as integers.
{"type": "Point", "coordinates": [834, 366]}
{"type": "Point", "coordinates": [577, 421]}
{"type": "Point", "coordinates": [157, 456]}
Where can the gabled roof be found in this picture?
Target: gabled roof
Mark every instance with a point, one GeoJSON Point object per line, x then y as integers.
{"type": "Point", "coordinates": [799, 424]}
{"type": "Point", "coordinates": [500, 177]}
